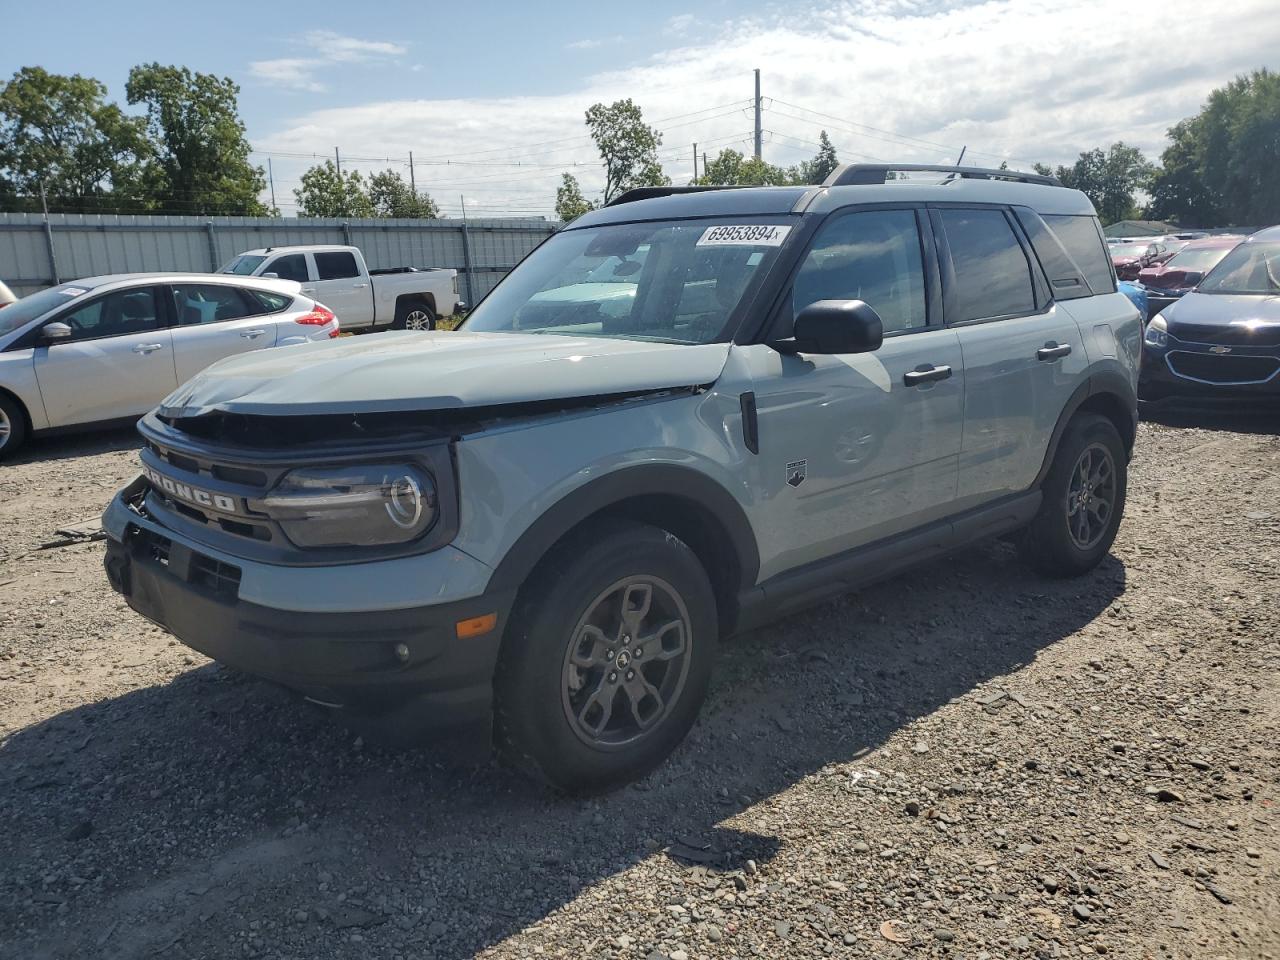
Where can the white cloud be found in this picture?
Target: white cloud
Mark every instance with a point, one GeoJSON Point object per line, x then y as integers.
{"type": "Point", "coordinates": [294, 73]}
{"type": "Point", "coordinates": [1011, 79]}
{"type": "Point", "coordinates": [298, 73]}
{"type": "Point", "coordinates": [590, 43]}
{"type": "Point", "coordinates": [679, 24]}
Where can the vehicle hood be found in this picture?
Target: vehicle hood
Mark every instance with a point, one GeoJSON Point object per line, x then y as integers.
{"type": "Point", "coordinates": [1252, 320]}
{"type": "Point", "coordinates": [444, 370]}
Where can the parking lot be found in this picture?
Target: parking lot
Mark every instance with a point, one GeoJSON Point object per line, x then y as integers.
{"type": "Point", "coordinates": [967, 760]}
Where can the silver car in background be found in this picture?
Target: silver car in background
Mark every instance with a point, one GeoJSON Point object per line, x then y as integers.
{"type": "Point", "coordinates": [106, 349]}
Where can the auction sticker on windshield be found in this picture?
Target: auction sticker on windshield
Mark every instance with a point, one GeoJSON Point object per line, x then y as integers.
{"type": "Point", "coordinates": [752, 235]}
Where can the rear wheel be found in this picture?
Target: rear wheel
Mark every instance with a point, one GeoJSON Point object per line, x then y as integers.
{"type": "Point", "coordinates": [607, 658]}
{"type": "Point", "coordinates": [1083, 503]}
{"type": "Point", "coordinates": [414, 315]}
{"type": "Point", "coordinates": [13, 426]}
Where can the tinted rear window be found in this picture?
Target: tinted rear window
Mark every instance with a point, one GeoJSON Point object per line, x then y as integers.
{"type": "Point", "coordinates": [993, 277]}
{"type": "Point", "coordinates": [1083, 240]}
{"type": "Point", "coordinates": [336, 266]}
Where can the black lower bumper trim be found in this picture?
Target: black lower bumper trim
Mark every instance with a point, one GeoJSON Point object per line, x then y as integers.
{"type": "Point", "coordinates": [352, 658]}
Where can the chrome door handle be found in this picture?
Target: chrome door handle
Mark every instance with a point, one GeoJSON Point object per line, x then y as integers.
{"type": "Point", "coordinates": [913, 378]}
{"type": "Point", "coordinates": [148, 347]}
{"type": "Point", "coordinates": [1053, 351]}
{"type": "Point", "coordinates": [252, 334]}
{"type": "Point", "coordinates": [358, 286]}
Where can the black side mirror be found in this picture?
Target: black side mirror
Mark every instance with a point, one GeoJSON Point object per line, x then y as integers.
{"type": "Point", "coordinates": [836, 326]}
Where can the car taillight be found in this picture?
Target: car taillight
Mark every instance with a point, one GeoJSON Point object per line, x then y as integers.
{"type": "Point", "coordinates": [318, 317]}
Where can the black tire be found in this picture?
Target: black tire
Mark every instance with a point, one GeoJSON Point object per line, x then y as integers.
{"type": "Point", "coordinates": [542, 721]}
{"type": "Point", "coordinates": [412, 314]}
{"type": "Point", "coordinates": [13, 426]}
{"type": "Point", "coordinates": [1071, 533]}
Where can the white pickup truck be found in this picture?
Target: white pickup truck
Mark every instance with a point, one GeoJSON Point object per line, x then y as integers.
{"type": "Point", "coordinates": [400, 298]}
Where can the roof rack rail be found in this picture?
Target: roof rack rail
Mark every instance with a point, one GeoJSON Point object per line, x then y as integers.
{"type": "Point", "coordinates": [870, 173]}
{"type": "Point", "coordinates": [648, 193]}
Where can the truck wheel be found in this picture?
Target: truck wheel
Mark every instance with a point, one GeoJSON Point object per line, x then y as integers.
{"type": "Point", "coordinates": [607, 658]}
{"type": "Point", "coordinates": [414, 315]}
{"type": "Point", "coordinates": [1083, 502]}
{"type": "Point", "coordinates": [13, 426]}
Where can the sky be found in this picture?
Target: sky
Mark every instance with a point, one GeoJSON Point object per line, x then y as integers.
{"type": "Point", "coordinates": [489, 97]}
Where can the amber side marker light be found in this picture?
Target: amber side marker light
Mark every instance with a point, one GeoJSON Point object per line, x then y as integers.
{"type": "Point", "coordinates": [476, 626]}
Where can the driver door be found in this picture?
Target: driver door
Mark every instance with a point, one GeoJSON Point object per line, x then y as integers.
{"type": "Point", "coordinates": [118, 362]}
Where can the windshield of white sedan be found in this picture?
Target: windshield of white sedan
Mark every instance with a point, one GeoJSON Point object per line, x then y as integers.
{"type": "Point", "coordinates": [1251, 268]}
{"type": "Point", "coordinates": [21, 312]}
{"type": "Point", "coordinates": [676, 282]}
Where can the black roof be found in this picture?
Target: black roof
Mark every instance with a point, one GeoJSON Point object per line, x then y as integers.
{"type": "Point", "coordinates": [730, 201]}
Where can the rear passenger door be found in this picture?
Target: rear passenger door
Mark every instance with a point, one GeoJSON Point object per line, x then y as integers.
{"type": "Point", "coordinates": [215, 320]}
{"type": "Point", "coordinates": [341, 288]}
{"type": "Point", "coordinates": [859, 447]}
{"type": "Point", "coordinates": [1023, 355]}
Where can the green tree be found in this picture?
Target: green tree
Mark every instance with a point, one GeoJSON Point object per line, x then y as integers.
{"type": "Point", "coordinates": [1219, 167]}
{"type": "Point", "coordinates": [1111, 179]}
{"type": "Point", "coordinates": [202, 157]}
{"type": "Point", "coordinates": [821, 166]}
{"type": "Point", "coordinates": [570, 203]}
{"type": "Point", "coordinates": [391, 196]}
{"type": "Point", "coordinates": [731, 168]}
{"type": "Point", "coordinates": [628, 146]}
{"type": "Point", "coordinates": [327, 193]}
{"type": "Point", "coordinates": [58, 131]}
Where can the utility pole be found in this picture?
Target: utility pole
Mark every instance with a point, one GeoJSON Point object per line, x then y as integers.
{"type": "Point", "coordinates": [463, 198]}
{"type": "Point", "coordinates": [704, 163]}
{"type": "Point", "coordinates": [695, 161]}
{"type": "Point", "coordinates": [337, 163]}
{"type": "Point", "coordinates": [757, 114]}
{"type": "Point", "coordinates": [413, 184]}
{"type": "Point", "coordinates": [960, 159]}
{"type": "Point", "coordinates": [271, 178]}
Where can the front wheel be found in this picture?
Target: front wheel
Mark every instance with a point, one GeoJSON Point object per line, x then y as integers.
{"type": "Point", "coordinates": [607, 658]}
{"type": "Point", "coordinates": [13, 427]}
{"type": "Point", "coordinates": [1083, 503]}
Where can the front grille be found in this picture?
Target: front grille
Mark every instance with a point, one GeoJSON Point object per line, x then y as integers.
{"type": "Point", "coordinates": [220, 577]}
{"type": "Point", "coordinates": [199, 569]}
{"type": "Point", "coordinates": [1224, 369]}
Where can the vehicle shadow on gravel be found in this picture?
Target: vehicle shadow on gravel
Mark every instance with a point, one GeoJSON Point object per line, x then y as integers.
{"type": "Point", "coordinates": [217, 808]}
{"type": "Point", "coordinates": [72, 446]}
{"type": "Point", "coordinates": [1258, 415]}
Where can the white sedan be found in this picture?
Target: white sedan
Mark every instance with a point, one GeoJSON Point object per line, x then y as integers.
{"type": "Point", "coordinates": [108, 349]}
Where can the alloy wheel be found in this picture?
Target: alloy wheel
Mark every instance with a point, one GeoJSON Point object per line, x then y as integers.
{"type": "Point", "coordinates": [1091, 496]}
{"type": "Point", "coordinates": [6, 429]}
{"type": "Point", "coordinates": [626, 663]}
{"type": "Point", "coordinates": [418, 320]}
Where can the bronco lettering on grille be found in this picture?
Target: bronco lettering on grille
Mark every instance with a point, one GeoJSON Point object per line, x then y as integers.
{"type": "Point", "coordinates": [183, 491]}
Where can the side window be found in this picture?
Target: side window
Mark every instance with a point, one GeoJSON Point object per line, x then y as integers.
{"type": "Point", "coordinates": [198, 303]}
{"type": "Point", "coordinates": [271, 302]}
{"type": "Point", "coordinates": [1083, 240]}
{"type": "Point", "coordinates": [338, 265]}
{"type": "Point", "coordinates": [872, 256]}
{"type": "Point", "coordinates": [293, 266]}
{"type": "Point", "coordinates": [116, 314]}
{"type": "Point", "coordinates": [993, 277]}
{"type": "Point", "coordinates": [1065, 277]}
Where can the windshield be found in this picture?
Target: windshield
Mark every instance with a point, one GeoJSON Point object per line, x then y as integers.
{"type": "Point", "coordinates": [1130, 249]}
{"type": "Point", "coordinates": [21, 312]}
{"type": "Point", "coordinates": [1200, 258]}
{"type": "Point", "coordinates": [671, 281]}
{"type": "Point", "coordinates": [243, 265]}
{"type": "Point", "coordinates": [1251, 268]}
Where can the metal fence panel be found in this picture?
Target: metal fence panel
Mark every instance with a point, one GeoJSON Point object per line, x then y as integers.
{"type": "Point", "coordinates": [34, 255]}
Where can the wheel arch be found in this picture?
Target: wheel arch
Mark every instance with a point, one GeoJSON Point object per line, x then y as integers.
{"type": "Point", "coordinates": [685, 502]}
{"type": "Point", "coordinates": [1108, 394]}
{"type": "Point", "coordinates": [407, 300]}
{"type": "Point", "coordinates": [23, 409]}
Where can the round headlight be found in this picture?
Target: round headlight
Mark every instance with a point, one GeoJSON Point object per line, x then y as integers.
{"type": "Point", "coordinates": [404, 501]}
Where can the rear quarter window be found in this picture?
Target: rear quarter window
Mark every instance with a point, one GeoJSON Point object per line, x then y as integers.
{"type": "Point", "coordinates": [1082, 238]}
{"type": "Point", "coordinates": [271, 302]}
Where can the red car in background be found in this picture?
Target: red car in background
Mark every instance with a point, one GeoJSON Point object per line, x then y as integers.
{"type": "Point", "coordinates": [1166, 282]}
{"type": "Point", "coordinates": [1132, 256]}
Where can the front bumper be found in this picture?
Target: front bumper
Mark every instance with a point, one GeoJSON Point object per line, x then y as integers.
{"type": "Point", "coordinates": [338, 657]}
{"type": "Point", "coordinates": [1183, 369]}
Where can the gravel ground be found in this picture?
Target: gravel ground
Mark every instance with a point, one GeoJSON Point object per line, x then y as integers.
{"type": "Point", "coordinates": [967, 761]}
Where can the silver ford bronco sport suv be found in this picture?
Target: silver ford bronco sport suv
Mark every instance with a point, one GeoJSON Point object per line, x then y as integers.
{"type": "Point", "coordinates": [684, 415]}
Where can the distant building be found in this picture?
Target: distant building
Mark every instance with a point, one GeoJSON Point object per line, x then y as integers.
{"type": "Point", "coordinates": [1140, 228]}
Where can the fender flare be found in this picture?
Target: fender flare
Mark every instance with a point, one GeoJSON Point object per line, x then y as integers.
{"type": "Point", "coordinates": [613, 489]}
{"type": "Point", "coordinates": [1103, 383]}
